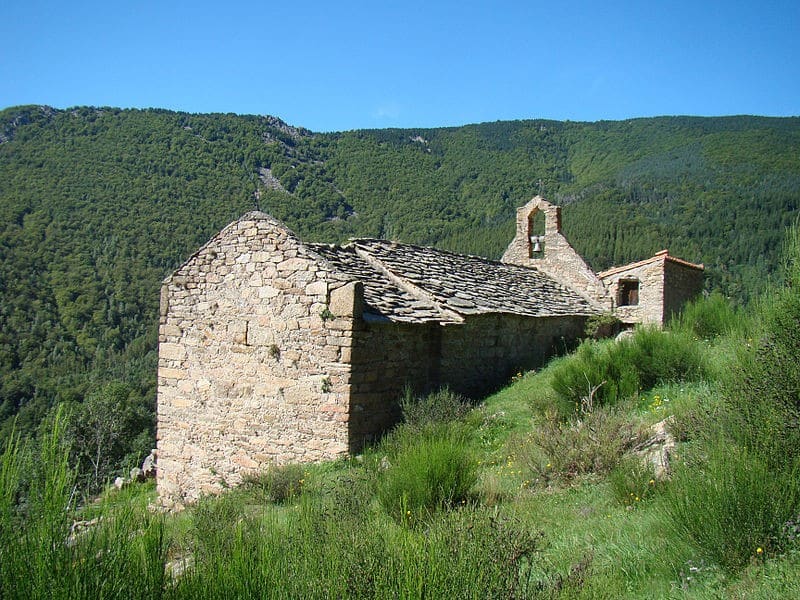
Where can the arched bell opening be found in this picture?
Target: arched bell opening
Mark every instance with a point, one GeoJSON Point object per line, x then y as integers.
{"type": "Point", "coordinates": [536, 231]}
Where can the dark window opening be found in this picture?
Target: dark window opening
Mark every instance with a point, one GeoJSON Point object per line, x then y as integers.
{"type": "Point", "coordinates": [628, 292]}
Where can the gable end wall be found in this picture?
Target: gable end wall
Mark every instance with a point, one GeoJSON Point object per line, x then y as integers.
{"type": "Point", "coordinates": [559, 259]}
{"type": "Point", "coordinates": [250, 374]}
{"type": "Point", "coordinates": [650, 309]}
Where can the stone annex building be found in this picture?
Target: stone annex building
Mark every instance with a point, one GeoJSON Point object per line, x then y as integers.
{"type": "Point", "coordinates": [272, 350]}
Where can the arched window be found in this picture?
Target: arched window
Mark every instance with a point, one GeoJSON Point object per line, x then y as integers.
{"type": "Point", "coordinates": [536, 229]}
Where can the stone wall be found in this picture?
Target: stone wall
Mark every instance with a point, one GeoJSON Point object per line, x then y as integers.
{"type": "Point", "coordinates": [557, 258]}
{"type": "Point", "coordinates": [651, 293]}
{"type": "Point", "coordinates": [665, 285]}
{"type": "Point", "coordinates": [483, 354]}
{"type": "Point", "coordinates": [681, 284]}
{"type": "Point", "coordinates": [472, 358]}
{"type": "Point", "coordinates": [252, 369]}
{"type": "Point", "coordinates": [388, 358]}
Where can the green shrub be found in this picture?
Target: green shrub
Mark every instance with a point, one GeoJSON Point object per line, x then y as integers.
{"type": "Point", "coordinates": [664, 356]}
{"type": "Point", "coordinates": [708, 318]}
{"type": "Point", "coordinates": [563, 450]}
{"type": "Point", "coordinates": [730, 504]}
{"type": "Point", "coordinates": [350, 494]}
{"type": "Point", "coordinates": [761, 390]}
{"type": "Point", "coordinates": [431, 471]}
{"type": "Point", "coordinates": [438, 407]}
{"type": "Point", "coordinates": [738, 487]}
{"type": "Point", "coordinates": [771, 370]}
{"type": "Point", "coordinates": [606, 372]}
{"type": "Point", "coordinates": [594, 375]}
{"type": "Point", "coordinates": [694, 421]}
{"type": "Point", "coordinates": [279, 483]}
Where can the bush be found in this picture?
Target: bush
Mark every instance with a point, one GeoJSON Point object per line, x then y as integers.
{"type": "Point", "coordinates": [708, 318]}
{"type": "Point", "coordinates": [606, 372]}
{"type": "Point", "coordinates": [595, 443]}
{"type": "Point", "coordinates": [761, 392]}
{"type": "Point", "coordinates": [279, 483]}
{"type": "Point", "coordinates": [730, 504]}
{"type": "Point", "coordinates": [771, 370]}
{"type": "Point", "coordinates": [774, 373]}
{"type": "Point", "coordinates": [439, 407]}
{"type": "Point", "coordinates": [430, 471]}
{"type": "Point", "coordinates": [739, 488]}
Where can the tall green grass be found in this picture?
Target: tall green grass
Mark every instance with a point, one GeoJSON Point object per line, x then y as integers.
{"type": "Point", "coordinates": [709, 318]}
{"type": "Point", "coordinates": [313, 553]}
{"type": "Point", "coordinates": [428, 471]}
{"type": "Point", "coordinates": [732, 505]}
{"type": "Point", "coordinates": [120, 555]}
{"type": "Point", "coordinates": [738, 485]}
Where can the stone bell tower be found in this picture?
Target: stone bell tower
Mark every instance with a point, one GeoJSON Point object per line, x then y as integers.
{"type": "Point", "coordinates": [539, 243]}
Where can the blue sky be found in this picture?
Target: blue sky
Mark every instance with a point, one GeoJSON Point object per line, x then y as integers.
{"type": "Point", "coordinates": [332, 66]}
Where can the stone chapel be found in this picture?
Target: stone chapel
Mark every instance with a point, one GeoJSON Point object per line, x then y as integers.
{"type": "Point", "coordinates": [273, 350]}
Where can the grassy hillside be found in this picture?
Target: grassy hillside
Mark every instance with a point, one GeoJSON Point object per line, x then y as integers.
{"type": "Point", "coordinates": [98, 205]}
{"type": "Point", "coordinates": [535, 493]}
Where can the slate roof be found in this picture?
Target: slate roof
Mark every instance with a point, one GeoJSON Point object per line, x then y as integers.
{"type": "Point", "coordinates": [403, 282]}
{"type": "Point", "coordinates": [385, 299]}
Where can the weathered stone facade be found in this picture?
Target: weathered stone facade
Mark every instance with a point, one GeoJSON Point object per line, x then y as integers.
{"type": "Point", "coordinates": [250, 373]}
{"type": "Point", "coordinates": [275, 351]}
{"type": "Point", "coordinates": [272, 350]}
{"type": "Point", "coordinates": [471, 358]}
{"type": "Point", "coordinates": [663, 284]}
{"type": "Point", "coordinates": [649, 291]}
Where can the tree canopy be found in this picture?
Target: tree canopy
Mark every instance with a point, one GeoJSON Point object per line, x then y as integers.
{"type": "Point", "coordinates": [98, 205]}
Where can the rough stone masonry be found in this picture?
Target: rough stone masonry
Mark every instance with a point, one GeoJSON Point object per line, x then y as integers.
{"type": "Point", "coordinates": [274, 351]}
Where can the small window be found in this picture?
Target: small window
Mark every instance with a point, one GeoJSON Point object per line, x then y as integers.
{"type": "Point", "coordinates": [628, 294]}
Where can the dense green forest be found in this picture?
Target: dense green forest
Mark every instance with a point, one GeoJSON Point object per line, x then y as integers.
{"type": "Point", "coordinates": [98, 205]}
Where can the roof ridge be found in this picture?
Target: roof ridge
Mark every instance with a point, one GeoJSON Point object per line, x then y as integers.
{"type": "Point", "coordinates": [404, 284]}
{"type": "Point", "coordinates": [661, 255]}
{"type": "Point", "coordinates": [384, 295]}
{"type": "Point", "coordinates": [483, 259]}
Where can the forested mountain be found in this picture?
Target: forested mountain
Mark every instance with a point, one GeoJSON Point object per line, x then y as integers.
{"type": "Point", "coordinates": [98, 205]}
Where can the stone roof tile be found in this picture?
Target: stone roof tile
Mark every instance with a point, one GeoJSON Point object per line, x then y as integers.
{"type": "Point", "coordinates": [384, 299]}
{"type": "Point", "coordinates": [475, 285]}
{"type": "Point", "coordinates": [415, 284]}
